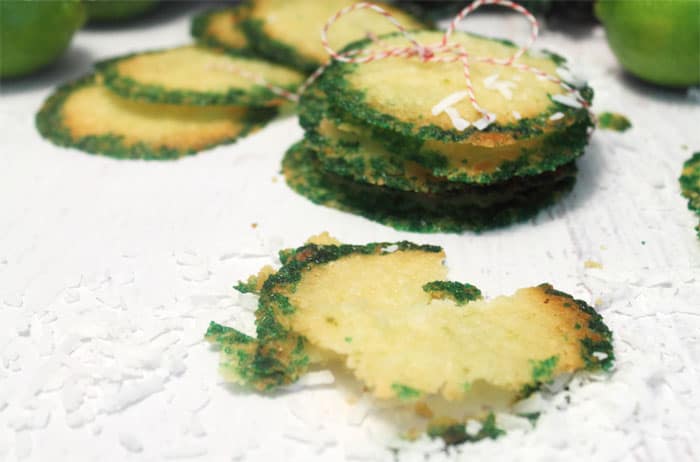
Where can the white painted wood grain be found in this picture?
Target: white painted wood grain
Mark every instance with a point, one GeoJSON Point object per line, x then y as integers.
{"type": "Point", "coordinates": [111, 270]}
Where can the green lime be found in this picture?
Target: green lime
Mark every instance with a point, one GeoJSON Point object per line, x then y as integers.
{"type": "Point", "coordinates": [658, 41]}
{"type": "Point", "coordinates": [34, 34]}
{"type": "Point", "coordinates": [115, 10]}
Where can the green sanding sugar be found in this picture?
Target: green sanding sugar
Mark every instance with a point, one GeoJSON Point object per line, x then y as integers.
{"type": "Point", "coordinates": [613, 121]}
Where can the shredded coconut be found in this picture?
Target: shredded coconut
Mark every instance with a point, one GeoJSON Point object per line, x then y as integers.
{"type": "Point", "coordinates": [502, 86]}
{"type": "Point", "coordinates": [484, 122]}
{"type": "Point", "coordinates": [449, 101]}
{"type": "Point", "coordinates": [130, 442]}
{"type": "Point", "coordinates": [391, 248]}
{"type": "Point", "coordinates": [567, 100]}
{"type": "Point", "coordinates": [132, 393]}
{"type": "Point", "coordinates": [556, 116]}
{"type": "Point", "coordinates": [569, 76]}
{"type": "Point", "coordinates": [473, 427]}
{"type": "Point", "coordinates": [457, 120]}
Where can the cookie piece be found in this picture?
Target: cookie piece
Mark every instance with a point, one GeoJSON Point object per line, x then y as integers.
{"type": "Point", "coordinates": [195, 75]}
{"type": "Point", "coordinates": [368, 306]}
{"type": "Point", "coordinates": [289, 31]}
{"type": "Point", "coordinates": [85, 115]}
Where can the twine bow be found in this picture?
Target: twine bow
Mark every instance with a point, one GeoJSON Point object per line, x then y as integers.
{"type": "Point", "coordinates": [445, 51]}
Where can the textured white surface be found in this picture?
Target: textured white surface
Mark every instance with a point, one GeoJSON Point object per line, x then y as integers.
{"type": "Point", "coordinates": [110, 272]}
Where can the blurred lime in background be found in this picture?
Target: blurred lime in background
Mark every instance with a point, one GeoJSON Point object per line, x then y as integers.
{"type": "Point", "coordinates": [117, 10]}
{"type": "Point", "coordinates": [656, 40]}
{"type": "Point", "coordinates": [34, 34]}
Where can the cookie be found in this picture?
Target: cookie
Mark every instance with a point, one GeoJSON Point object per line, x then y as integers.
{"type": "Point", "coordinates": [196, 76]}
{"type": "Point", "coordinates": [85, 115]}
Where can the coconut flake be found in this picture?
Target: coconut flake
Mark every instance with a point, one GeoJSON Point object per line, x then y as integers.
{"type": "Point", "coordinates": [29, 420]}
{"type": "Point", "coordinates": [185, 452]}
{"type": "Point", "coordinates": [485, 121]}
{"type": "Point", "coordinates": [196, 274]}
{"type": "Point", "coordinates": [490, 79]}
{"type": "Point", "coordinates": [510, 422]}
{"type": "Point", "coordinates": [130, 442]}
{"type": "Point", "coordinates": [359, 412]}
{"type": "Point", "coordinates": [23, 328]}
{"type": "Point", "coordinates": [14, 301]}
{"type": "Point", "coordinates": [568, 76]}
{"type": "Point", "coordinates": [81, 417]}
{"type": "Point", "coordinates": [448, 101]}
{"type": "Point", "coordinates": [556, 116]}
{"type": "Point", "coordinates": [567, 100]}
{"type": "Point", "coordinates": [313, 379]}
{"type": "Point", "coordinates": [533, 403]}
{"type": "Point", "coordinates": [502, 86]}
{"type": "Point", "coordinates": [391, 248]}
{"type": "Point", "coordinates": [195, 427]}
{"type": "Point", "coordinates": [71, 296]}
{"type": "Point", "coordinates": [133, 393]}
{"type": "Point", "coordinates": [72, 396]}
{"type": "Point", "coordinates": [23, 445]}
{"type": "Point", "coordinates": [248, 302]}
{"type": "Point", "coordinates": [457, 120]}
{"type": "Point", "coordinates": [473, 427]}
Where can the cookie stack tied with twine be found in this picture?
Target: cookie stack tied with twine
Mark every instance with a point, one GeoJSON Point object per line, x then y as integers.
{"type": "Point", "coordinates": [439, 132]}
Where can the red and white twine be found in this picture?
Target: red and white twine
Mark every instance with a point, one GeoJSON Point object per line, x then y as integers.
{"type": "Point", "coordinates": [443, 52]}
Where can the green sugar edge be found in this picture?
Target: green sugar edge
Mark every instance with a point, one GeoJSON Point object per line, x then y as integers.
{"type": "Point", "coordinates": [460, 293]}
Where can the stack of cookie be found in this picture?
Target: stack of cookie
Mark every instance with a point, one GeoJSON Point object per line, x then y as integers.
{"type": "Point", "coordinates": [399, 141]}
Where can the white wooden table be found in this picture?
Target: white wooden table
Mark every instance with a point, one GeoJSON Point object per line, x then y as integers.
{"type": "Point", "coordinates": [111, 270]}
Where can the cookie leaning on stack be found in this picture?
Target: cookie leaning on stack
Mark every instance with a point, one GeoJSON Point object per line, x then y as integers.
{"type": "Point", "coordinates": [220, 28]}
{"type": "Point", "coordinates": [287, 31]}
{"type": "Point", "coordinates": [397, 131]}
